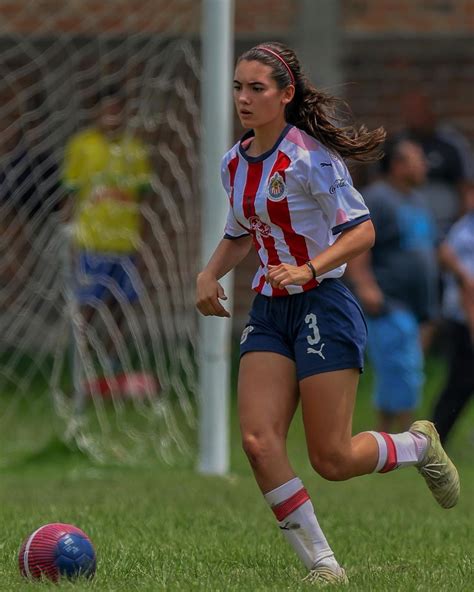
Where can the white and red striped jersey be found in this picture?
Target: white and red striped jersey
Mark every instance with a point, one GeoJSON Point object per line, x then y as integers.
{"type": "Point", "coordinates": [294, 200]}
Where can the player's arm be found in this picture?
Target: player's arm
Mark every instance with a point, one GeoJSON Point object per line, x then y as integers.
{"type": "Point", "coordinates": [350, 243]}
{"type": "Point", "coordinates": [209, 292]}
{"type": "Point", "coordinates": [362, 278]}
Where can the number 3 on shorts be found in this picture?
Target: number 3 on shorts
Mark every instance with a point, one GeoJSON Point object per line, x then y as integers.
{"type": "Point", "coordinates": [314, 337]}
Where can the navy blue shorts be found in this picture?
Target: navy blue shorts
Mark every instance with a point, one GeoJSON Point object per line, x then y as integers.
{"type": "Point", "coordinates": [321, 330]}
{"type": "Point", "coordinates": [100, 277]}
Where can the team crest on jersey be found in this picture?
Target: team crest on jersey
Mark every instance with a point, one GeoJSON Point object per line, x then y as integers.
{"type": "Point", "coordinates": [276, 187]}
{"type": "Point", "coordinates": [257, 225]}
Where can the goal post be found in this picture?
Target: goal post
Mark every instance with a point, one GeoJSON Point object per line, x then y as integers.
{"type": "Point", "coordinates": [138, 369]}
{"type": "Point", "coordinates": [215, 333]}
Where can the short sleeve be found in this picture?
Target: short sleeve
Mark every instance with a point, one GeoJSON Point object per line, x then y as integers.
{"type": "Point", "coordinates": [331, 185]}
{"type": "Point", "coordinates": [232, 228]}
{"type": "Point", "coordinates": [225, 176]}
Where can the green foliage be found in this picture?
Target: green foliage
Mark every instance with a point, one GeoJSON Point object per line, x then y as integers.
{"type": "Point", "coordinates": [163, 529]}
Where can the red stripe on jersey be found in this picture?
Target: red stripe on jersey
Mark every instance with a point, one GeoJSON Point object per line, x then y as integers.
{"type": "Point", "coordinates": [291, 504]}
{"type": "Point", "coordinates": [279, 214]}
{"type": "Point", "coordinates": [254, 176]}
{"type": "Point", "coordinates": [392, 461]}
{"type": "Point", "coordinates": [232, 166]}
{"type": "Point", "coordinates": [261, 283]}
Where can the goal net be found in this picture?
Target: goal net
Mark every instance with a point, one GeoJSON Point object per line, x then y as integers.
{"type": "Point", "coordinates": [98, 339]}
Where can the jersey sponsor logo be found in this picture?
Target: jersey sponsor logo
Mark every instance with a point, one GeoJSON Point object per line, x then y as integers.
{"type": "Point", "coordinates": [276, 187]}
{"type": "Point", "coordinates": [257, 225]}
{"type": "Point", "coordinates": [338, 183]}
{"type": "Point", "coordinates": [245, 333]}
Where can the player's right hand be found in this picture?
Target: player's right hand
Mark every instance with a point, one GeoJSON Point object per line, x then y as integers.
{"type": "Point", "coordinates": [208, 295]}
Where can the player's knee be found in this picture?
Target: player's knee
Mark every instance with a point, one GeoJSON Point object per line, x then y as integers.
{"type": "Point", "coordinates": [259, 449]}
{"type": "Point", "coordinates": [331, 465]}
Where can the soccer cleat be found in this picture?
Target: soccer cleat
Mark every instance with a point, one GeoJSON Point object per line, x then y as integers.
{"type": "Point", "coordinates": [439, 472]}
{"type": "Point", "coordinates": [323, 575]}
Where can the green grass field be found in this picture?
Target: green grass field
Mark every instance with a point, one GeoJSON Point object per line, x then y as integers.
{"type": "Point", "coordinates": [157, 528]}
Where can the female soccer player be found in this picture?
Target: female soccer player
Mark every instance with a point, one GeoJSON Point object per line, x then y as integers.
{"type": "Point", "coordinates": [291, 195]}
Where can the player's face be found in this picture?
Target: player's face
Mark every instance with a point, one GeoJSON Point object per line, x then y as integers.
{"type": "Point", "coordinates": [257, 98]}
{"type": "Point", "coordinates": [415, 163]}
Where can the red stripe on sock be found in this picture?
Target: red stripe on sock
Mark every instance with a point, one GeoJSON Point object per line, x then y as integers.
{"type": "Point", "coordinates": [392, 461]}
{"type": "Point", "coordinates": [291, 504]}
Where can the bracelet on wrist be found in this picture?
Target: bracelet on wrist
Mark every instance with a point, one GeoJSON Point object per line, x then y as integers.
{"type": "Point", "coordinates": [312, 268]}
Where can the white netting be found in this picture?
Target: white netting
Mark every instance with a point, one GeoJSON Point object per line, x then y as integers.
{"type": "Point", "coordinates": [120, 382]}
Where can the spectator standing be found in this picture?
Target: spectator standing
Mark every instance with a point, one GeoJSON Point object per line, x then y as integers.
{"type": "Point", "coordinates": [396, 282]}
{"type": "Point", "coordinates": [457, 258]}
{"type": "Point", "coordinates": [449, 157]}
{"type": "Point", "coordinates": [108, 174]}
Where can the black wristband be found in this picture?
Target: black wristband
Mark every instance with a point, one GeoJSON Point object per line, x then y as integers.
{"type": "Point", "coordinates": [313, 270]}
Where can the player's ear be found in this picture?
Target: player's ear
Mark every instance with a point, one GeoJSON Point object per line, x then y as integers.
{"type": "Point", "coordinates": [288, 94]}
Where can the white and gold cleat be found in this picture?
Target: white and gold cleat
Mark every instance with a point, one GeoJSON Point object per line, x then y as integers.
{"type": "Point", "coordinates": [324, 575]}
{"type": "Point", "coordinates": [438, 470]}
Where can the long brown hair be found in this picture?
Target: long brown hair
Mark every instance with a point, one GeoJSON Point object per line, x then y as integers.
{"type": "Point", "coordinates": [315, 111]}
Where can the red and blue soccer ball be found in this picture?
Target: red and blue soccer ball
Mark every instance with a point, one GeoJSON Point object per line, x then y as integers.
{"type": "Point", "coordinates": [57, 550]}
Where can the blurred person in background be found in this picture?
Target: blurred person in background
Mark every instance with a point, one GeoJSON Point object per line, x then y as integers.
{"type": "Point", "coordinates": [107, 173]}
{"type": "Point", "coordinates": [457, 259]}
{"type": "Point", "coordinates": [448, 155]}
{"type": "Point", "coordinates": [396, 282]}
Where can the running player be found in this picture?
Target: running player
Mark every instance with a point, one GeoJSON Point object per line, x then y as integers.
{"type": "Point", "coordinates": [291, 196]}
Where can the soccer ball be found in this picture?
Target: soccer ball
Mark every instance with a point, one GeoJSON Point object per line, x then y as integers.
{"type": "Point", "coordinates": [57, 550]}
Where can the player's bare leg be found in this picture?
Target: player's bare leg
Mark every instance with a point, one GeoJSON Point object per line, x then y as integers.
{"type": "Point", "coordinates": [268, 397]}
{"type": "Point", "coordinates": [328, 401]}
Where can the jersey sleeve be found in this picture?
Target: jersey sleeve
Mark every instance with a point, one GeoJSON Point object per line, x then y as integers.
{"type": "Point", "coordinates": [232, 228]}
{"type": "Point", "coordinates": [330, 183]}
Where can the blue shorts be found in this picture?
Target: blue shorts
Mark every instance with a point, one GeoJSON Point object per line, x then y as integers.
{"type": "Point", "coordinates": [322, 330]}
{"type": "Point", "coordinates": [104, 277]}
{"type": "Point", "coordinates": [395, 352]}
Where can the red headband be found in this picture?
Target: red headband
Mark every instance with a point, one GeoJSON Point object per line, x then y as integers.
{"type": "Point", "coordinates": [278, 57]}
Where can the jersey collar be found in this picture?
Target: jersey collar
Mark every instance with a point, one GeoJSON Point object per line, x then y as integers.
{"type": "Point", "coordinates": [266, 154]}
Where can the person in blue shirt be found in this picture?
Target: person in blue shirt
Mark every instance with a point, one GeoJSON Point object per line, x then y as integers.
{"type": "Point", "coordinates": [396, 282]}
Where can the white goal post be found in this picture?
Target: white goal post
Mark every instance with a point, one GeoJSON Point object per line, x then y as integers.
{"type": "Point", "coordinates": [133, 371]}
{"type": "Point", "coordinates": [215, 333]}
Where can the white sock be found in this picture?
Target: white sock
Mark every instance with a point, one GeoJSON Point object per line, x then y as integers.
{"type": "Point", "coordinates": [294, 511]}
{"type": "Point", "coordinates": [399, 450]}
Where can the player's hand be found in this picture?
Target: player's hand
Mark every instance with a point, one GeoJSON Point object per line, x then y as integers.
{"type": "Point", "coordinates": [371, 298]}
{"type": "Point", "coordinates": [208, 295]}
{"type": "Point", "coordinates": [282, 275]}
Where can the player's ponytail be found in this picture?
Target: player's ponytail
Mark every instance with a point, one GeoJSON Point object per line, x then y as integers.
{"type": "Point", "coordinates": [315, 111]}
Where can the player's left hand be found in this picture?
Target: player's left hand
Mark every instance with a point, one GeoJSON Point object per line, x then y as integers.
{"type": "Point", "coordinates": [282, 275]}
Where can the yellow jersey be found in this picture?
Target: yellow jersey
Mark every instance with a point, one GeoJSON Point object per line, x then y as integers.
{"type": "Point", "coordinates": [108, 177]}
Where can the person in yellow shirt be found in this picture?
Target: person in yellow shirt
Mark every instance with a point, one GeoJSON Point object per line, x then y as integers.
{"type": "Point", "coordinates": [107, 172]}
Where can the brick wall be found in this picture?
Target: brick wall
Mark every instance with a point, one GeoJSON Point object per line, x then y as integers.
{"type": "Point", "coordinates": [389, 46]}
{"type": "Point", "coordinates": [408, 16]}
